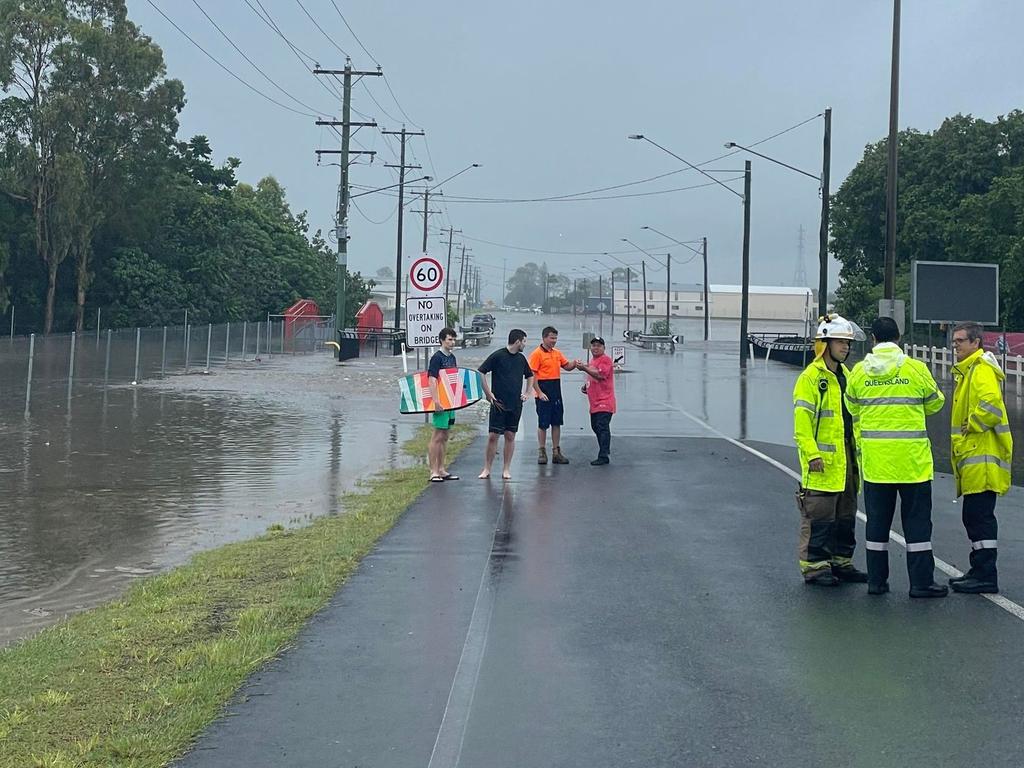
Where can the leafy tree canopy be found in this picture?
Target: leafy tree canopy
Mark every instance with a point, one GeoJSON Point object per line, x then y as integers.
{"type": "Point", "coordinates": [961, 198]}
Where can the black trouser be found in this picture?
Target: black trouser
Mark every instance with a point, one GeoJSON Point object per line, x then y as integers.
{"type": "Point", "coordinates": [601, 423]}
{"type": "Point", "coordinates": [916, 512]}
{"type": "Point", "coordinates": [979, 516]}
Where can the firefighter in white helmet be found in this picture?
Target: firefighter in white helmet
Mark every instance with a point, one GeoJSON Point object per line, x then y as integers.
{"type": "Point", "coordinates": [823, 430]}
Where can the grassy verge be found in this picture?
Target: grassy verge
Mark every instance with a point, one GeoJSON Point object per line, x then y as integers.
{"type": "Point", "coordinates": [132, 682]}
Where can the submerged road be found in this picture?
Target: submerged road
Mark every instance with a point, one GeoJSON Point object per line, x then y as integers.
{"type": "Point", "coordinates": [647, 613]}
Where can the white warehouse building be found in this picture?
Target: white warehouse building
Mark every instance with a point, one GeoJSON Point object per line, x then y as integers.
{"type": "Point", "coordinates": [766, 302]}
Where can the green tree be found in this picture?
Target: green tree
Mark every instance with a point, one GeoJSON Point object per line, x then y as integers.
{"type": "Point", "coordinates": [84, 92]}
{"type": "Point", "coordinates": [960, 199]}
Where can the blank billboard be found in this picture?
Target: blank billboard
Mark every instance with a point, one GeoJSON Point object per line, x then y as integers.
{"type": "Point", "coordinates": [955, 291]}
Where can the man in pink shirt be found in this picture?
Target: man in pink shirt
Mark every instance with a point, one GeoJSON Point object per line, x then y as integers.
{"type": "Point", "coordinates": [600, 390]}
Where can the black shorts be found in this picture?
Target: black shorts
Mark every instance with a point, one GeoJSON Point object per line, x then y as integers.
{"type": "Point", "coordinates": [506, 420]}
{"type": "Point", "coordinates": [550, 413]}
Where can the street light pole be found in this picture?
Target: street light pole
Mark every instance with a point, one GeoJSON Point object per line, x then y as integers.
{"type": "Point", "coordinates": [629, 300]}
{"type": "Point", "coordinates": [707, 297]}
{"type": "Point", "coordinates": [643, 268]}
{"type": "Point", "coordinates": [668, 294]}
{"type": "Point", "coordinates": [746, 236]}
{"type": "Point", "coordinates": [825, 203]}
{"type": "Point", "coordinates": [745, 299]}
{"type": "Point", "coordinates": [889, 286]}
{"type": "Point", "coordinates": [704, 253]}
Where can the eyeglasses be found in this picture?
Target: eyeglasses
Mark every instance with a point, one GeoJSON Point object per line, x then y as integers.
{"type": "Point", "coordinates": [963, 340]}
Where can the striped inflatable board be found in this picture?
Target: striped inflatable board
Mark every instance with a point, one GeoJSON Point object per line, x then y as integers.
{"type": "Point", "coordinates": [456, 388]}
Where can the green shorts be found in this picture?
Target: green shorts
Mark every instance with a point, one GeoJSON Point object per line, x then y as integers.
{"type": "Point", "coordinates": [443, 419]}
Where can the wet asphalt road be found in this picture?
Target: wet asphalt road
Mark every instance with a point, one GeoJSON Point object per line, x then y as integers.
{"type": "Point", "coordinates": [647, 613]}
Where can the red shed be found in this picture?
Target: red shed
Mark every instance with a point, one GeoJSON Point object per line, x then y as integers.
{"type": "Point", "coordinates": [370, 317]}
{"type": "Point", "coordinates": [299, 315]}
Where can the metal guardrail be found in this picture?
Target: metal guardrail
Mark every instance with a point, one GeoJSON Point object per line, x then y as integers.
{"type": "Point", "coordinates": [941, 359]}
{"type": "Point", "coordinates": [362, 342]}
{"type": "Point", "coordinates": [652, 341]}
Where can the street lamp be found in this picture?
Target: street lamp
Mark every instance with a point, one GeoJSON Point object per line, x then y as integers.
{"type": "Point", "coordinates": [611, 271]}
{"type": "Point", "coordinates": [629, 285]}
{"type": "Point", "coordinates": [745, 197]}
{"type": "Point", "coordinates": [668, 285]}
{"type": "Point", "coordinates": [823, 180]}
{"type": "Point", "coordinates": [704, 253]}
{"type": "Point", "coordinates": [426, 195]}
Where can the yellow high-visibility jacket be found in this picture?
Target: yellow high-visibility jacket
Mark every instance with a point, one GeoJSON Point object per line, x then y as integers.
{"type": "Point", "coordinates": [981, 444]}
{"type": "Point", "coordinates": [890, 394]}
{"type": "Point", "coordinates": [818, 426]}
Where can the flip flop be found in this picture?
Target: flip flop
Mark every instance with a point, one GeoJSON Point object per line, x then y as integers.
{"type": "Point", "coordinates": [436, 479]}
{"type": "Point", "coordinates": [450, 477]}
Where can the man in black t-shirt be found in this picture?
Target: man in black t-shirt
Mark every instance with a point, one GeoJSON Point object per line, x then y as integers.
{"type": "Point", "coordinates": [509, 368]}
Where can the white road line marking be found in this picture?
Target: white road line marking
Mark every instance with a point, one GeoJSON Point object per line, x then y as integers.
{"type": "Point", "coordinates": [452, 731]}
{"type": "Point", "coordinates": [1006, 604]}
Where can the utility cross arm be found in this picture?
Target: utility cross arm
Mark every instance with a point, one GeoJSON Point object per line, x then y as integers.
{"type": "Point", "coordinates": [340, 151]}
{"type": "Point", "coordinates": [342, 122]}
{"type": "Point", "coordinates": [353, 72]}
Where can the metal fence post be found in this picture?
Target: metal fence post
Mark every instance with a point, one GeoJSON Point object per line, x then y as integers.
{"type": "Point", "coordinates": [71, 368]}
{"type": "Point", "coordinates": [138, 343]}
{"type": "Point", "coordinates": [163, 354]}
{"type": "Point", "coordinates": [227, 343]}
{"type": "Point", "coordinates": [106, 364]}
{"type": "Point", "coordinates": [209, 341]}
{"type": "Point", "coordinates": [270, 339]}
{"type": "Point", "coordinates": [259, 327]}
{"type": "Point", "coordinates": [12, 322]}
{"type": "Point", "coordinates": [28, 385]}
{"type": "Point", "coordinates": [245, 332]}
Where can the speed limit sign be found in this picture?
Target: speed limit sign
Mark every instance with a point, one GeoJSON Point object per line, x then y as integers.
{"type": "Point", "coordinates": [425, 276]}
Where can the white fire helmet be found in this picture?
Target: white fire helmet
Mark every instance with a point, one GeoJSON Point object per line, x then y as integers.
{"type": "Point", "coordinates": [834, 326]}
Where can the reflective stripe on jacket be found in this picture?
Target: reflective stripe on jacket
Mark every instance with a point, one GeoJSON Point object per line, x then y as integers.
{"type": "Point", "coordinates": [818, 426]}
{"type": "Point", "coordinates": [981, 446]}
{"type": "Point", "coordinates": [891, 394]}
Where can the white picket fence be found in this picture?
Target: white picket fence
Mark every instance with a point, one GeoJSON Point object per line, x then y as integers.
{"type": "Point", "coordinates": [940, 360]}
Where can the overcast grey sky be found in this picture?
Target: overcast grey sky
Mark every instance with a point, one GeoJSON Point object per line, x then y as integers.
{"type": "Point", "coordinates": [543, 95]}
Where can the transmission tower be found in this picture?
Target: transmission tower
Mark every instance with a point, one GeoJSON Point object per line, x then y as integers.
{"type": "Point", "coordinates": [800, 268]}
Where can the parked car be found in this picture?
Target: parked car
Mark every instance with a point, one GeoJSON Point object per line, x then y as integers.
{"type": "Point", "coordinates": [484, 321]}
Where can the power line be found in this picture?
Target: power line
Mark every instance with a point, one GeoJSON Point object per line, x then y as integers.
{"type": "Point", "coordinates": [305, 59]}
{"type": "Point", "coordinates": [353, 32]}
{"type": "Point", "coordinates": [251, 62]}
{"type": "Point", "coordinates": [315, 24]}
{"type": "Point", "coordinates": [399, 105]}
{"type": "Point", "coordinates": [547, 252]}
{"type": "Point", "coordinates": [507, 201]}
{"type": "Point", "coordinates": [554, 198]}
{"type": "Point", "coordinates": [214, 59]}
{"type": "Point", "coordinates": [269, 21]}
{"type": "Point", "coordinates": [374, 221]}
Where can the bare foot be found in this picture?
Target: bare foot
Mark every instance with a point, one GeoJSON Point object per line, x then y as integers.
{"type": "Point", "coordinates": [485, 474]}
{"type": "Point", "coordinates": [506, 475]}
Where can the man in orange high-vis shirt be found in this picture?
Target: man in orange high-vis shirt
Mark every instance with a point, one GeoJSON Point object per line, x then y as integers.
{"type": "Point", "coordinates": [547, 364]}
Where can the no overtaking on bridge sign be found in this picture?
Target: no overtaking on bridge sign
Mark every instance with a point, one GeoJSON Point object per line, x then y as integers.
{"type": "Point", "coordinates": [425, 314]}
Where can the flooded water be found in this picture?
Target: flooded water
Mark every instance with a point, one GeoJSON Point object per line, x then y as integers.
{"type": "Point", "coordinates": [103, 482]}
{"type": "Point", "coordinates": [119, 481]}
